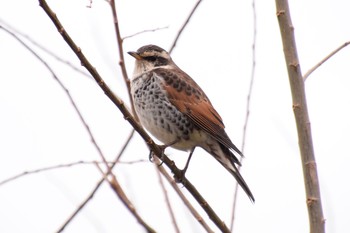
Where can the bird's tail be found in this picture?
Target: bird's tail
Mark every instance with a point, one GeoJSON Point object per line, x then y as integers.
{"type": "Point", "coordinates": [228, 160]}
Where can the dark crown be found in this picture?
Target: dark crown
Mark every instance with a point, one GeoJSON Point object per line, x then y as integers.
{"type": "Point", "coordinates": [149, 48]}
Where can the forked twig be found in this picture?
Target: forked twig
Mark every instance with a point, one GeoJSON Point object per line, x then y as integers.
{"type": "Point", "coordinates": [92, 193]}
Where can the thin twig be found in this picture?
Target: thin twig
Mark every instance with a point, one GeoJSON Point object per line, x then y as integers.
{"type": "Point", "coordinates": [184, 25]}
{"type": "Point", "coordinates": [32, 41]}
{"type": "Point", "coordinates": [296, 81]}
{"type": "Point", "coordinates": [131, 134]}
{"type": "Point", "coordinates": [80, 207]}
{"type": "Point", "coordinates": [186, 202]}
{"type": "Point", "coordinates": [127, 81]}
{"type": "Point", "coordinates": [64, 89]}
{"type": "Point", "coordinates": [121, 54]}
{"type": "Point", "coordinates": [118, 190]}
{"type": "Point", "coordinates": [122, 66]}
{"type": "Point", "coordinates": [144, 31]}
{"type": "Point", "coordinates": [157, 163]}
{"type": "Point", "coordinates": [66, 165]}
{"type": "Point", "coordinates": [244, 134]}
{"type": "Point", "coordinates": [114, 181]}
{"type": "Point", "coordinates": [325, 59]}
{"type": "Point", "coordinates": [43, 169]}
{"type": "Point", "coordinates": [92, 193]}
{"type": "Point", "coordinates": [128, 116]}
{"type": "Point", "coordinates": [114, 184]}
{"type": "Point", "coordinates": [134, 161]}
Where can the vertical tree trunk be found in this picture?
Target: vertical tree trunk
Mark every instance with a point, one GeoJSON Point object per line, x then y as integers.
{"type": "Point", "coordinates": [296, 81]}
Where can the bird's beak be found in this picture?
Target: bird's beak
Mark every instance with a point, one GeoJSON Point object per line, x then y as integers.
{"type": "Point", "coordinates": [135, 55]}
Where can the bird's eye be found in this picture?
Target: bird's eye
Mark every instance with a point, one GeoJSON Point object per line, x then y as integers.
{"type": "Point", "coordinates": [151, 58]}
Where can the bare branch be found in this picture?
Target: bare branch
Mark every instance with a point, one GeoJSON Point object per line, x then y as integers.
{"type": "Point", "coordinates": [244, 134]}
{"type": "Point", "coordinates": [134, 161]}
{"type": "Point", "coordinates": [157, 163]}
{"type": "Point", "coordinates": [128, 116]}
{"type": "Point", "coordinates": [46, 50]}
{"type": "Point", "coordinates": [80, 207]}
{"type": "Point", "coordinates": [92, 193]}
{"type": "Point", "coordinates": [186, 202]}
{"type": "Point", "coordinates": [118, 190]}
{"type": "Point", "coordinates": [65, 90]}
{"type": "Point", "coordinates": [131, 134]}
{"type": "Point", "coordinates": [313, 195]}
{"type": "Point", "coordinates": [144, 31]}
{"type": "Point", "coordinates": [114, 184]}
{"type": "Point", "coordinates": [121, 54]}
{"type": "Point", "coordinates": [184, 25]}
{"type": "Point", "coordinates": [66, 165]}
{"type": "Point", "coordinates": [39, 170]}
{"type": "Point", "coordinates": [325, 59]}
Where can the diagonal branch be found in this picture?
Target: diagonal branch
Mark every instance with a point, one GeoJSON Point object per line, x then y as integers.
{"type": "Point", "coordinates": [92, 193]}
{"type": "Point", "coordinates": [158, 167]}
{"type": "Point", "coordinates": [313, 194]}
{"type": "Point", "coordinates": [176, 188]}
{"type": "Point", "coordinates": [325, 59]}
{"type": "Point", "coordinates": [128, 116]}
{"type": "Point", "coordinates": [46, 50]}
{"type": "Point", "coordinates": [184, 25]}
{"type": "Point", "coordinates": [117, 188]}
{"type": "Point", "coordinates": [65, 90]}
{"type": "Point", "coordinates": [109, 168]}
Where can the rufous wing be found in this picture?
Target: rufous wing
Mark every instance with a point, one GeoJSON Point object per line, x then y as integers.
{"type": "Point", "coordinates": [185, 94]}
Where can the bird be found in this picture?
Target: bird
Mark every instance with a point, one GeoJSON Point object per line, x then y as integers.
{"type": "Point", "coordinates": [175, 110]}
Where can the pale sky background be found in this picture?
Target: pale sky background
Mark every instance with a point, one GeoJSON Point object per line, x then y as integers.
{"type": "Point", "coordinates": [39, 127]}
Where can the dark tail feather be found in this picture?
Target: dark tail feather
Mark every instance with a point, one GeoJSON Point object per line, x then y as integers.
{"type": "Point", "coordinates": [241, 182]}
{"type": "Point", "coordinates": [229, 164]}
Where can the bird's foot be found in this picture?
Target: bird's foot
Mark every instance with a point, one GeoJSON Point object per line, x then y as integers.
{"type": "Point", "coordinates": [162, 148]}
{"type": "Point", "coordinates": [151, 154]}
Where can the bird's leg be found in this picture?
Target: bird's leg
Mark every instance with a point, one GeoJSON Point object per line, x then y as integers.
{"type": "Point", "coordinates": [183, 171]}
{"type": "Point", "coordinates": [162, 148]}
{"type": "Point", "coordinates": [188, 161]}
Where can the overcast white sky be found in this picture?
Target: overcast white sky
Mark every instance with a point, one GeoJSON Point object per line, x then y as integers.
{"type": "Point", "coordinates": [39, 127]}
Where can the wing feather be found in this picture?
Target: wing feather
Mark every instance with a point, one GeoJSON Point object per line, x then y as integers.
{"type": "Point", "coordinates": [185, 94]}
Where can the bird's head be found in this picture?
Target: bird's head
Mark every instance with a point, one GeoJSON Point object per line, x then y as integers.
{"type": "Point", "coordinates": [150, 57]}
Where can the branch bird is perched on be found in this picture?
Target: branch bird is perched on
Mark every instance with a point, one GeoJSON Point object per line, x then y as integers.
{"type": "Point", "coordinates": [173, 108]}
